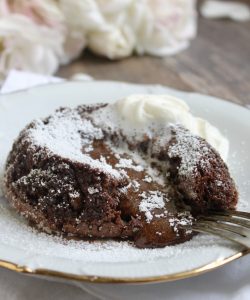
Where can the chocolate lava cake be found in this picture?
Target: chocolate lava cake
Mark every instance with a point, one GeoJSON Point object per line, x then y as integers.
{"type": "Point", "coordinates": [80, 174]}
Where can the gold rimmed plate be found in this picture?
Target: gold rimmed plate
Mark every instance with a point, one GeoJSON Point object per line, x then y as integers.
{"type": "Point", "coordinates": [24, 250]}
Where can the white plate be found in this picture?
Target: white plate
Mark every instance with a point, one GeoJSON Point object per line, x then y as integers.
{"type": "Point", "coordinates": [24, 250]}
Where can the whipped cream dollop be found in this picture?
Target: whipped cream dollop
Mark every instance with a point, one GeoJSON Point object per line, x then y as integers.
{"type": "Point", "coordinates": [145, 110]}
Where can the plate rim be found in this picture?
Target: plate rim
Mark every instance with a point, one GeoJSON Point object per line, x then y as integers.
{"type": "Point", "coordinates": [47, 273]}
{"type": "Point", "coordinates": [42, 272]}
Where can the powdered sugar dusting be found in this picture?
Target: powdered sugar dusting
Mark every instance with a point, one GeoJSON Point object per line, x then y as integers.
{"type": "Point", "coordinates": [18, 234]}
{"type": "Point", "coordinates": [128, 164]}
{"type": "Point", "coordinates": [147, 179]}
{"type": "Point", "coordinates": [66, 134]}
{"type": "Point", "coordinates": [92, 190]}
{"type": "Point", "coordinates": [136, 162]}
{"type": "Point", "coordinates": [150, 201]}
{"type": "Point", "coordinates": [182, 219]}
{"type": "Point", "coordinates": [191, 150]}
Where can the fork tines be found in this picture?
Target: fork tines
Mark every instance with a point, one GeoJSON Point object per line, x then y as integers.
{"type": "Point", "coordinates": [232, 225]}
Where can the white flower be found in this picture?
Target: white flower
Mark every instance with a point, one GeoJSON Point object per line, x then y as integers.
{"type": "Point", "coordinates": [44, 12]}
{"type": "Point", "coordinates": [74, 43]}
{"type": "Point", "coordinates": [25, 45]}
{"type": "Point", "coordinates": [174, 25]}
{"type": "Point", "coordinates": [80, 17]}
{"type": "Point", "coordinates": [115, 39]}
{"type": "Point", "coordinates": [113, 42]}
{"type": "Point", "coordinates": [55, 15]}
{"type": "Point", "coordinates": [163, 27]}
{"type": "Point", "coordinates": [156, 27]}
{"type": "Point", "coordinates": [39, 35]}
{"type": "Point", "coordinates": [114, 7]}
{"type": "Point", "coordinates": [103, 35]}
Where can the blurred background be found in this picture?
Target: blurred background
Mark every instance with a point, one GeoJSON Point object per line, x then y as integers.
{"type": "Point", "coordinates": [192, 45]}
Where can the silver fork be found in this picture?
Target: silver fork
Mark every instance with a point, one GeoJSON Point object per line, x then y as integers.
{"type": "Point", "coordinates": [231, 225]}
